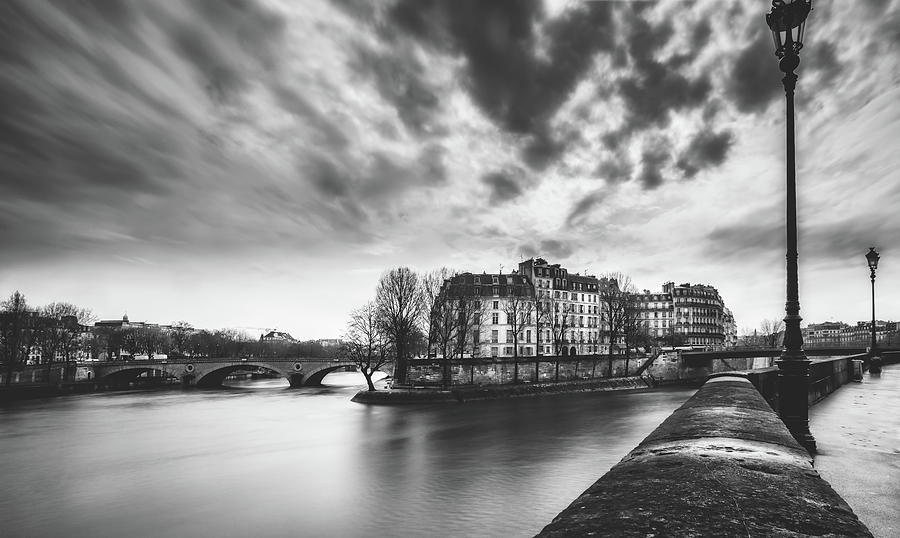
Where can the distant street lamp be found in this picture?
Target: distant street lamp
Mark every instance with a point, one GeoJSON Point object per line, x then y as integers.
{"type": "Point", "coordinates": [874, 357]}
{"type": "Point", "coordinates": [787, 20]}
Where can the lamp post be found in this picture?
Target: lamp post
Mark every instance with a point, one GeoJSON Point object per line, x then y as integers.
{"type": "Point", "coordinates": [787, 20]}
{"type": "Point", "coordinates": [874, 357]}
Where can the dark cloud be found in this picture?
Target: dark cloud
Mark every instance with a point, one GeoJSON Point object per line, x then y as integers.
{"type": "Point", "coordinates": [399, 79]}
{"type": "Point", "coordinates": [755, 81]}
{"type": "Point", "coordinates": [705, 150]}
{"type": "Point", "coordinates": [616, 169]}
{"type": "Point", "coordinates": [328, 177]}
{"type": "Point", "coordinates": [553, 249]}
{"type": "Point", "coordinates": [653, 88]}
{"type": "Point", "coordinates": [515, 85]}
{"type": "Point", "coordinates": [583, 207]}
{"type": "Point", "coordinates": [238, 40]}
{"type": "Point", "coordinates": [654, 158]}
{"type": "Point", "coordinates": [431, 164]}
{"type": "Point", "coordinates": [543, 149]}
{"type": "Point", "coordinates": [328, 132]}
{"type": "Point", "coordinates": [822, 60]}
{"type": "Point", "coordinates": [109, 139]}
{"type": "Point", "coordinates": [822, 239]}
{"type": "Point", "coordinates": [504, 185]}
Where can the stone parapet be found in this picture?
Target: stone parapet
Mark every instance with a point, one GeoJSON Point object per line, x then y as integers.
{"type": "Point", "coordinates": [723, 464]}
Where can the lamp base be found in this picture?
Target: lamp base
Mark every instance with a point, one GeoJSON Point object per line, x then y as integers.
{"type": "Point", "coordinates": [875, 365]}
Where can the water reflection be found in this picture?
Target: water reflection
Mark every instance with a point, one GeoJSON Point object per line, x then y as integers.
{"type": "Point", "coordinates": [261, 460]}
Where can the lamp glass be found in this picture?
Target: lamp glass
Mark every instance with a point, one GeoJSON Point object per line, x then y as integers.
{"type": "Point", "coordinates": [872, 257]}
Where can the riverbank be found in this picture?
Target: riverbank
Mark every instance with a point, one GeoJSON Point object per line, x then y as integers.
{"type": "Point", "coordinates": [492, 392]}
{"type": "Point", "coordinates": [42, 390]}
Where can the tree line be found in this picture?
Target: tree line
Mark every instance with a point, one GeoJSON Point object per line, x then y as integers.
{"type": "Point", "coordinates": [65, 332]}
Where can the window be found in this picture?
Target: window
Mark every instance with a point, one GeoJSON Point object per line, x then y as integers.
{"type": "Point", "coordinates": [496, 291]}
{"type": "Point", "coordinates": [528, 336]}
{"type": "Point", "coordinates": [496, 305]}
{"type": "Point", "coordinates": [477, 291]}
{"type": "Point", "coordinates": [495, 318]}
{"type": "Point", "coordinates": [495, 279]}
{"type": "Point", "coordinates": [477, 279]}
{"type": "Point", "coordinates": [493, 352]}
{"type": "Point", "coordinates": [509, 337]}
{"type": "Point", "coordinates": [507, 351]}
{"type": "Point", "coordinates": [494, 336]}
{"type": "Point", "coordinates": [476, 337]}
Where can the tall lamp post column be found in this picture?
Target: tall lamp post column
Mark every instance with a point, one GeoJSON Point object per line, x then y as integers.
{"type": "Point", "coordinates": [787, 20]}
{"type": "Point", "coordinates": [874, 356]}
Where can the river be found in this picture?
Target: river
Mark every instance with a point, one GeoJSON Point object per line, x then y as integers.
{"type": "Point", "coordinates": [259, 460]}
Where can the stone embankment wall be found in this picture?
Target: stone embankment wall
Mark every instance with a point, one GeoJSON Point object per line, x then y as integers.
{"type": "Point", "coordinates": [825, 377]}
{"type": "Point", "coordinates": [502, 371]}
{"type": "Point", "coordinates": [491, 392]}
{"type": "Point", "coordinates": [721, 465]}
{"type": "Point", "coordinates": [671, 368]}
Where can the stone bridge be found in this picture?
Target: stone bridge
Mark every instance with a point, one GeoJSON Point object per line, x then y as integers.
{"type": "Point", "coordinates": [205, 372]}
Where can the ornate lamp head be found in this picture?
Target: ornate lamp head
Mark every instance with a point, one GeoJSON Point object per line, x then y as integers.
{"type": "Point", "coordinates": [872, 257]}
{"type": "Point", "coordinates": [787, 20]}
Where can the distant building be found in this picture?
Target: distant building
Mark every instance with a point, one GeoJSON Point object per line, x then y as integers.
{"type": "Point", "coordinates": [328, 343]}
{"type": "Point", "coordinates": [691, 315]}
{"type": "Point", "coordinates": [277, 336]}
{"type": "Point", "coordinates": [730, 327]}
{"type": "Point", "coordinates": [658, 315]}
{"type": "Point", "coordinates": [539, 309]}
{"type": "Point", "coordinates": [823, 334]}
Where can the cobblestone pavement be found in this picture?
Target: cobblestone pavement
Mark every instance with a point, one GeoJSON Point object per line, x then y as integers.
{"type": "Point", "coordinates": [857, 431]}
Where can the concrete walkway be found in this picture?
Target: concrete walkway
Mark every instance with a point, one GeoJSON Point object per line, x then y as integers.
{"type": "Point", "coordinates": [857, 431]}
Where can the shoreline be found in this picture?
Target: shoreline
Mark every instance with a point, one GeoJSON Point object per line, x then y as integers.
{"type": "Point", "coordinates": [494, 392]}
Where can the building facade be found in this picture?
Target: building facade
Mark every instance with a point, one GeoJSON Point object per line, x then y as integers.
{"type": "Point", "coordinates": [563, 313]}
{"type": "Point", "coordinates": [538, 309]}
{"type": "Point", "coordinates": [688, 315]}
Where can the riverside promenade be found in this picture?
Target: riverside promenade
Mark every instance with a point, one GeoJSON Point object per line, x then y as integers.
{"type": "Point", "coordinates": [857, 432]}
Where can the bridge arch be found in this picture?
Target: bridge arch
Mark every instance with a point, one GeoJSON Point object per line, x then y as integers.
{"type": "Point", "coordinates": [126, 374]}
{"type": "Point", "coordinates": [316, 377]}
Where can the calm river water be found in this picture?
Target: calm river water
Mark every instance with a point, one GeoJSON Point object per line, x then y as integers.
{"type": "Point", "coordinates": [260, 460]}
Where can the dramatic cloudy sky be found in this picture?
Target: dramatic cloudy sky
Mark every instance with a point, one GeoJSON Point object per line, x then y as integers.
{"type": "Point", "coordinates": [259, 163]}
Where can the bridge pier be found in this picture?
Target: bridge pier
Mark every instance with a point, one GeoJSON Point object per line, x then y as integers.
{"type": "Point", "coordinates": [296, 380]}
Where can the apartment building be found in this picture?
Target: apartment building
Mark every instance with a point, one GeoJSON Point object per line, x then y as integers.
{"type": "Point", "coordinates": [692, 315]}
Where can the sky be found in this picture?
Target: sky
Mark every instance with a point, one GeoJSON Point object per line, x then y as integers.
{"type": "Point", "coordinates": [260, 163]}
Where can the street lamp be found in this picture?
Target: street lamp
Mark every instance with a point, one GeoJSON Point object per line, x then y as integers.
{"type": "Point", "coordinates": [874, 357]}
{"type": "Point", "coordinates": [787, 20]}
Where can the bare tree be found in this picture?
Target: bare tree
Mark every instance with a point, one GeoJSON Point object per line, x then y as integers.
{"type": "Point", "coordinates": [613, 295]}
{"type": "Point", "coordinates": [634, 331]}
{"type": "Point", "coordinates": [444, 325]}
{"type": "Point", "coordinates": [399, 302]}
{"type": "Point", "coordinates": [180, 334]}
{"type": "Point", "coordinates": [556, 317]}
{"type": "Point", "coordinates": [772, 330]}
{"type": "Point", "coordinates": [16, 333]}
{"type": "Point", "coordinates": [365, 343]}
{"type": "Point", "coordinates": [131, 341]}
{"type": "Point", "coordinates": [539, 317]}
{"type": "Point", "coordinates": [59, 329]}
{"type": "Point", "coordinates": [431, 284]}
{"type": "Point", "coordinates": [519, 309]}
